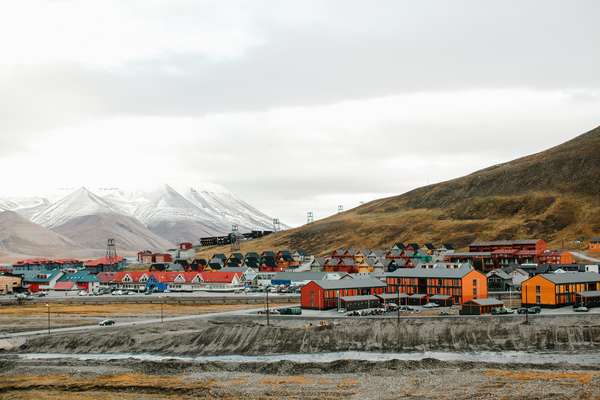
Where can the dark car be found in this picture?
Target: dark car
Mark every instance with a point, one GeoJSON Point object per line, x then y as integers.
{"type": "Point", "coordinates": [107, 322]}
{"type": "Point", "coordinates": [529, 310]}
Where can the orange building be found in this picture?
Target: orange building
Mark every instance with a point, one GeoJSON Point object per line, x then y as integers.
{"type": "Point", "coordinates": [459, 284]}
{"type": "Point", "coordinates": [559, 289]}
{"type": "Point", "coordinates": [595, 245]}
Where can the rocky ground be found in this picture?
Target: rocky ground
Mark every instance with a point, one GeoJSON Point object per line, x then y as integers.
{"type": "Point", "coordinates": [134, 379]}
{"type": "Point", "coordinates": [68, 379]}
{"type": "Point", "coordinates": [251, 336]}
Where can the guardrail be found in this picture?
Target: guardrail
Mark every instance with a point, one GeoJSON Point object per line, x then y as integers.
{"type": "Point", "coordinates": [197, 300]}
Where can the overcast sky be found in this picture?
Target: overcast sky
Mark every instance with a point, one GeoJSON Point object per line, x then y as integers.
{"type": "Point", "coordinates": [294, 106]}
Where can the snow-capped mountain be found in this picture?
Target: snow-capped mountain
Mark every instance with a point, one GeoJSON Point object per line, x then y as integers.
{"type": "Point", "coordinates": [25, 206]}
{"type": "Point", "coordinates": [154, 218]}
{"type": "Point", "coordinates": [218, 201]}
{"type": "Point", "coordinates": [80, 203]}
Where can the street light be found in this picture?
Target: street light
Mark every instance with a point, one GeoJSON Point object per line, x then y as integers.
{"type": "Point", "coordinates": [162, 303]}
{"type": "Point", "coordinates": [48, 309]}
{"type": "Point", "coordinates": [268, 288]}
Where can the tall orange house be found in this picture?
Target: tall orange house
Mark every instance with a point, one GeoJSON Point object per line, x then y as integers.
{"type": "Point", "coordinates": [560, 289]}
{"type": "Point", "coordinates": [459, 284]}
{"type": "Point", "coordinates": [595, 245]}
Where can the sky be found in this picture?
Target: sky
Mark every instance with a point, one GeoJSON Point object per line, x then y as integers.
{"type": "Point", "coordinates": [294, 106]}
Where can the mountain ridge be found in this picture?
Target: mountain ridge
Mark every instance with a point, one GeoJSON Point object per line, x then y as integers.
{"type": "Point", "coordinates": [552, 194]}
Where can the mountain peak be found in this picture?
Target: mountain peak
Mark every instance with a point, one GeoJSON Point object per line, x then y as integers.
{"type": "Point", "coordinates": [79, 203]}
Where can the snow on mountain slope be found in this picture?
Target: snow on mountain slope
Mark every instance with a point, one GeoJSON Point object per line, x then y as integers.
{"type": "Point", "coordinates": [80, 203]}
{"type": "Point", "coordinates": [218, 201]}
{"type": "Point", "coordinates": [167, 214]}
{"type": "Point", "coordinates": [25, 206]}
{"type": "Point", "coordinates": [170, 215]}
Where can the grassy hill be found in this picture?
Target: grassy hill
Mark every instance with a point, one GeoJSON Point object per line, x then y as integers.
{"type": "Point", "coordinates": [553, 195]}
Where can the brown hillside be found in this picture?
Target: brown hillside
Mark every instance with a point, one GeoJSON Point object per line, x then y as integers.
{"type": "Point", "coordinates": [553, 195]}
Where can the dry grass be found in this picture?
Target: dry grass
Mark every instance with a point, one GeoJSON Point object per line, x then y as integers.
{"type": "Point", "coordinates": [583, 378]}
{"type": "Point", "coordinates": [380, 226]}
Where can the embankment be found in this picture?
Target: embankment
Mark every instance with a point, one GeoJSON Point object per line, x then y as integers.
{"type": "Point", "coordinates": [250, 336]}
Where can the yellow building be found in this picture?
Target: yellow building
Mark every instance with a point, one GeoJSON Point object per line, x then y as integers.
{"type": "Point", "coordinates": [9, 283]}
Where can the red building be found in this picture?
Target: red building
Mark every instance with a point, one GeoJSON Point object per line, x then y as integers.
{"type": "Point", "coordinates": [531, 246]}
{"type": "Point", "coordinates": [487, 256]}
{"type": "Point", "coordinates": [185, 246]}
{"type": "Point", "coordinates": [327, 294]}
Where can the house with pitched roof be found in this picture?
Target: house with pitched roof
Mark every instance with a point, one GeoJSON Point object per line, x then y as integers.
{"type": "Point", "coordinates": [560, 289]}
{"type": "Point", "coordinates": [457, 285]}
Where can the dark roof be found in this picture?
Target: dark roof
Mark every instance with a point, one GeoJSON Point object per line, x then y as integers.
{"type": "Point", "coordinates": [499, 273]}
{"type": "Point", "coordinates": [299, 276]}
{"type": "Point", "coordinates": [572, 277]}
{"type": "Point", "coordinates": [431, 272]}
{"type": "Point", "coordinates": [349, 299]}
{"type": "Point", "coordinates": [504, 242]}
{"type": "Point", "coordinates": [440, 297]}
{"type": "Point", "coordinates": [351, 283]}
{"type": "Point", "coordinates": [471, 254]}
{"type": "Point", "coordinates": [430, 246]}
{"type": "Point", "coordinates": [595, 240]}
{"type": "Point", "coordinates": [590, 293]}
{"type": "Point", "coordinates": [448, 246]}
{"type": "Point", "coordinates": [391, 296]}
{"type": "Point", "coordinates": [487, 302]}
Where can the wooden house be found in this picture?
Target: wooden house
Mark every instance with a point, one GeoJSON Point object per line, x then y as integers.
{"type": "Point", "coordinates": [462, 284]}
{"type": "Point", "coordinates": [558, 289]}
{"type": "Point", "coordinates": [327, 294]}
{"type": "Point", "coordinates": [480, 306]}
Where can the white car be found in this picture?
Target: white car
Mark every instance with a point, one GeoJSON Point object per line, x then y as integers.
{"type": "Point", "coordinates": [82, 293]}
{"type": "Point", "coordinates": [431, 305]}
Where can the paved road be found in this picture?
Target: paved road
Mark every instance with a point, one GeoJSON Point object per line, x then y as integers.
{"type": "Point", "coordinates": [128, 323]}
{"type": "Point", "coordinates": [585, 257]}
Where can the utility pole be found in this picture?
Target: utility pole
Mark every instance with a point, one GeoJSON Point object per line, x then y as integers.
{"type": "Point", "coordinates": [526, 307]}
{"type": "Point", "coordinates": [267, 291]}
{"type": "Point", "coordinates": [162, 303]}
{"type": "Point", "coordinates": [48, 308]}
{"type": "Point", "coordinates": [398, 303]}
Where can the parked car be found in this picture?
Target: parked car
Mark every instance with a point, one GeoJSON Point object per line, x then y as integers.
{"type": "Point", "coordinates": [117, 293]}
{"type": "Point", "coordinates": [581, 309]}
{"type": "Point", "coordinates": [502, 311]}
{"type": "Point", "coordinates": [107, 322]}
{"type": "Point", "coordinates": [529, 310]}
{"type": "Point", "coordinates": [82, 293]}
{"type": "Point", "coordinates": [41, 294]}
{"type": "Point", "coordinates": [431, 305]}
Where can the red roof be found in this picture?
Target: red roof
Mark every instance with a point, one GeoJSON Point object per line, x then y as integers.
{"type": "Point", "coordinates": [65, 285]}
{"type": "Point", "coordinates": [134, 275]}
{"type": "Point", "coordinates": [47, 261]}
{"type": "Point", "coordinates": [170, 276]}
{"type": "Point", "coordinates": [106, 277]}
{"type": "Point", "coordinates": [219, 276]}
{"type": "Point", "coordinates": [103, 261]}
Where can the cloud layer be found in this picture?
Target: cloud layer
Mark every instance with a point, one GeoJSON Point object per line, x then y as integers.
{"type": "Point", "coordinates": [296, 106]}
